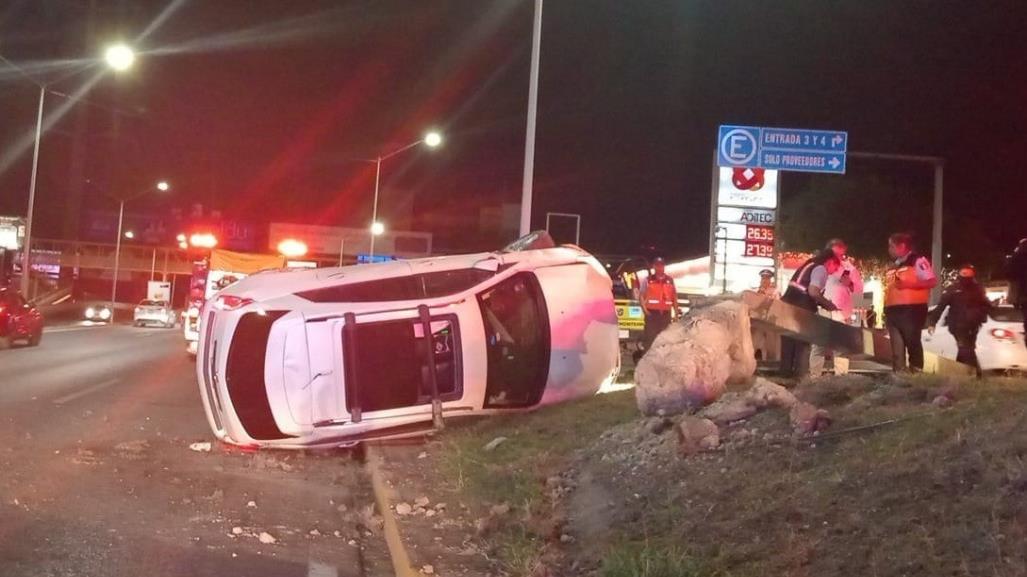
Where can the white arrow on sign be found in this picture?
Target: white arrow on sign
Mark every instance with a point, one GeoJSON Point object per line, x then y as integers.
{"type": "Point", "coordinates": [837, 140]}
{"type": "Point", "coordinates": [834, 163]}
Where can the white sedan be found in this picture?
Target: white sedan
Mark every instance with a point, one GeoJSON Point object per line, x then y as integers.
{"type": "Point", "coordinates": [1000, 344]}
{"type": "Point", "coordinates": [335, 356]}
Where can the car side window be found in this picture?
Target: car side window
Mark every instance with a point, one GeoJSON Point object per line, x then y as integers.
{"type": "Point", "coordinates": [450, 282]}
{"type": "Point", "coordinates": [389, 289]}
{"type": "Point", "coordinates": [404, 288]}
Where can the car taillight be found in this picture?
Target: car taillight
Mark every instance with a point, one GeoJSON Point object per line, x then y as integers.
{"type": "Point", "coordinates": [231, 303]}
{"type": "Point", "coordinates": [1003, 334]}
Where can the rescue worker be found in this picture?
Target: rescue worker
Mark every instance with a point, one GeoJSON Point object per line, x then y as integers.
{"type": "Point", "coordinates": [766, 344]}
{"type": "Point", "coordinates": [841, 285]}
{"type": "Point", "coordinates": [907, 289]}
{"type": "Point", "coordinates": [767, 287]}
{"type": "Point", "coordinates": [1017, 275]}
{"type": "Point", "coordinates": [806, 291]}
{"type": "Point", "coordinates": [659, 302]}
{"type": "Point", "coordinates": [968, 309]}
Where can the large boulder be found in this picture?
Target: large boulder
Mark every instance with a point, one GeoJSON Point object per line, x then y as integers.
{"type": "Point", "coordinates": [692, 361]}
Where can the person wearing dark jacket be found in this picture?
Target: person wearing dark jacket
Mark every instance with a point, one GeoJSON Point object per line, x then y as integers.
{"type": "Point", "coordinates": [1017, 275]}
{"type": "Point", "coordinates": [968, 309]}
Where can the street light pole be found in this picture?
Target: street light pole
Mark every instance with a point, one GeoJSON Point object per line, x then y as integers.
{"type": "Point", "coordinates": [26, 249]}
{"type": "Point", "coordinates": [119, 58]}
{"type": "Point", "coordinates": [431, 140]}
{"type": "Point", "coordinates": [529, 141]}
{"type": "Point", "coordinates": [374, 208]}
{"type": "Point", "coordinates": [117, 261]}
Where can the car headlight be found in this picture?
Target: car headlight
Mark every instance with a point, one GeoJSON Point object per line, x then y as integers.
{"type": "Point", "coordinates": [194, 312]}
{"type": "Point", "coordinates": [90, 312]}
{"type": "Point", "coordinates": [105, 314]}
{"type": "Point", "coordinates": [138, 310]}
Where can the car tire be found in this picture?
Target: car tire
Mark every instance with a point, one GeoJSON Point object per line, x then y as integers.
{"type": "Point", "coordinates": [36, 338]}
{"type": "Point", "coordinates": [5, 342]}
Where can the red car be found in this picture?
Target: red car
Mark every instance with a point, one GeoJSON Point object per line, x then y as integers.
{"type": "Point", "coordinates": [19, 320]}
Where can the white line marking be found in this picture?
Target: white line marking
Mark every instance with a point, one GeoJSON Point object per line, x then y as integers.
{"type": "Point", "coordinates": [83, 392]}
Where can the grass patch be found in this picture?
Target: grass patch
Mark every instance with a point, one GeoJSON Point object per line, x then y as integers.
{"type": "Point", "coordinates": [655, 561]}
{"type": "Point", "coordinates": [539, 444]}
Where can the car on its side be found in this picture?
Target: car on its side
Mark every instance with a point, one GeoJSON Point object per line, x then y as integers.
{"type": "Point", "coordinates": [19, 320]}
{"type": "Point", "coordinates": [335, 356]}
{"type": "Point", "coordinates": [1000, 343]}
{"type": "Point", "coordinates": [154, 312]}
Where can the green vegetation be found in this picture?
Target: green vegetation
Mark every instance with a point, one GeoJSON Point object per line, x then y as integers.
{"type": "Point", "coordinates": [654, 561]}
{"type": "Point", "coordinates": [539, 444]}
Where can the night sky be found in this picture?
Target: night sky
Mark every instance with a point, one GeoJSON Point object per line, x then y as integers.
{"type": "Point", "coordinates": [259, 107]}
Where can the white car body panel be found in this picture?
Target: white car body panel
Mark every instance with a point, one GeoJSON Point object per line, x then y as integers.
{"type": "Point", "coordinates": [305, 363]}
{"type": "Point", "coordinates": [993, 354]}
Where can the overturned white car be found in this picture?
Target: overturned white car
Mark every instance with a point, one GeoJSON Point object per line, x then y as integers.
{"type": "Point", "coordinates": [335, 356]}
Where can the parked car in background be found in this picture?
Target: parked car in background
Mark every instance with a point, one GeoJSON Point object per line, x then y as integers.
{"type": "Point", "coordinates": [1000, 344]}
{"type": "Point", "coordinates": [150, 312]}
{"type": "Point", "coordinates": [334, 356]}
{"type": "Point", "coordinates": [19, 320]}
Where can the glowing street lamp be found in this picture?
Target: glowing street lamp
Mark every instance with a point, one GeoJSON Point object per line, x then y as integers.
{"type": "Point", "coordinates": [292, 248]}
{"type": "Point", "coordinates": [119, 57]}
{"type": "Point", "coordinates": [431, 139]}
{"type": "Point", "coordinates": [130, 235]}
{"type": "Point", "coordinates": [203, 240]}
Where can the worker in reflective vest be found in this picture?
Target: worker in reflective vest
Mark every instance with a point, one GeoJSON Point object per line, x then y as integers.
{"type": "Point", "coordinates": [806, 291]}
{"type": "Point", "coordinates": [659, 302]}
{"type": "Point", "coordinates": [907, 289]}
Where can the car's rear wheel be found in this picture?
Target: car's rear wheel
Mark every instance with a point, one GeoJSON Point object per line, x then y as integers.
{"type": "Point", "coordinates": [36, 338]}
{"type": "Point", "coordinates": [5, 342]}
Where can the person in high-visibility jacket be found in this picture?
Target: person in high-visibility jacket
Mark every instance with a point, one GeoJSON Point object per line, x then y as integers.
{"type": "Point", "coordinates": [907, 290]}
{"type": "Point", "coordinates": [659, 302]}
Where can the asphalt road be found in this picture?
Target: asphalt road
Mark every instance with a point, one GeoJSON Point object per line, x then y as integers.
{"type": "Point", "coordinates": [97, 476]}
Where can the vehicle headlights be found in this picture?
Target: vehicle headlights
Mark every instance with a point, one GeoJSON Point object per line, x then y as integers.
{"type": "Point", "coordinates": [90, 313]}
{"type": "Point", "coordinates": [194, 312]}
{"type": "Point", "coordinates": [105, 314]}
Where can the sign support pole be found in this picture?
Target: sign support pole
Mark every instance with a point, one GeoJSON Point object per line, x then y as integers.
{"type": "Point", "coordinates": [713, 217]}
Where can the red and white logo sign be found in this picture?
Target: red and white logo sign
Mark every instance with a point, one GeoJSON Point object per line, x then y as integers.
{"type": "Point", "coordinates": [747, 178]}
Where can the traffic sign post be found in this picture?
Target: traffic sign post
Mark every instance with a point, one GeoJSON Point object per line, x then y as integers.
{"type": "Point", "coordinates": [791, 149]}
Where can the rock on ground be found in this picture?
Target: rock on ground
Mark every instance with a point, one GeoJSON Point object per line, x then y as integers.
{"type": "Point", "coordinates": [691, 363]}
{"type": "Point", "coordinates": [806, 419]}
{"type": "Point", "coordinates": [729, 408]}
{"type": "Point", "coordinates": [764, 394]}
{"type": "Point", "coordinates": [696, 434]}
